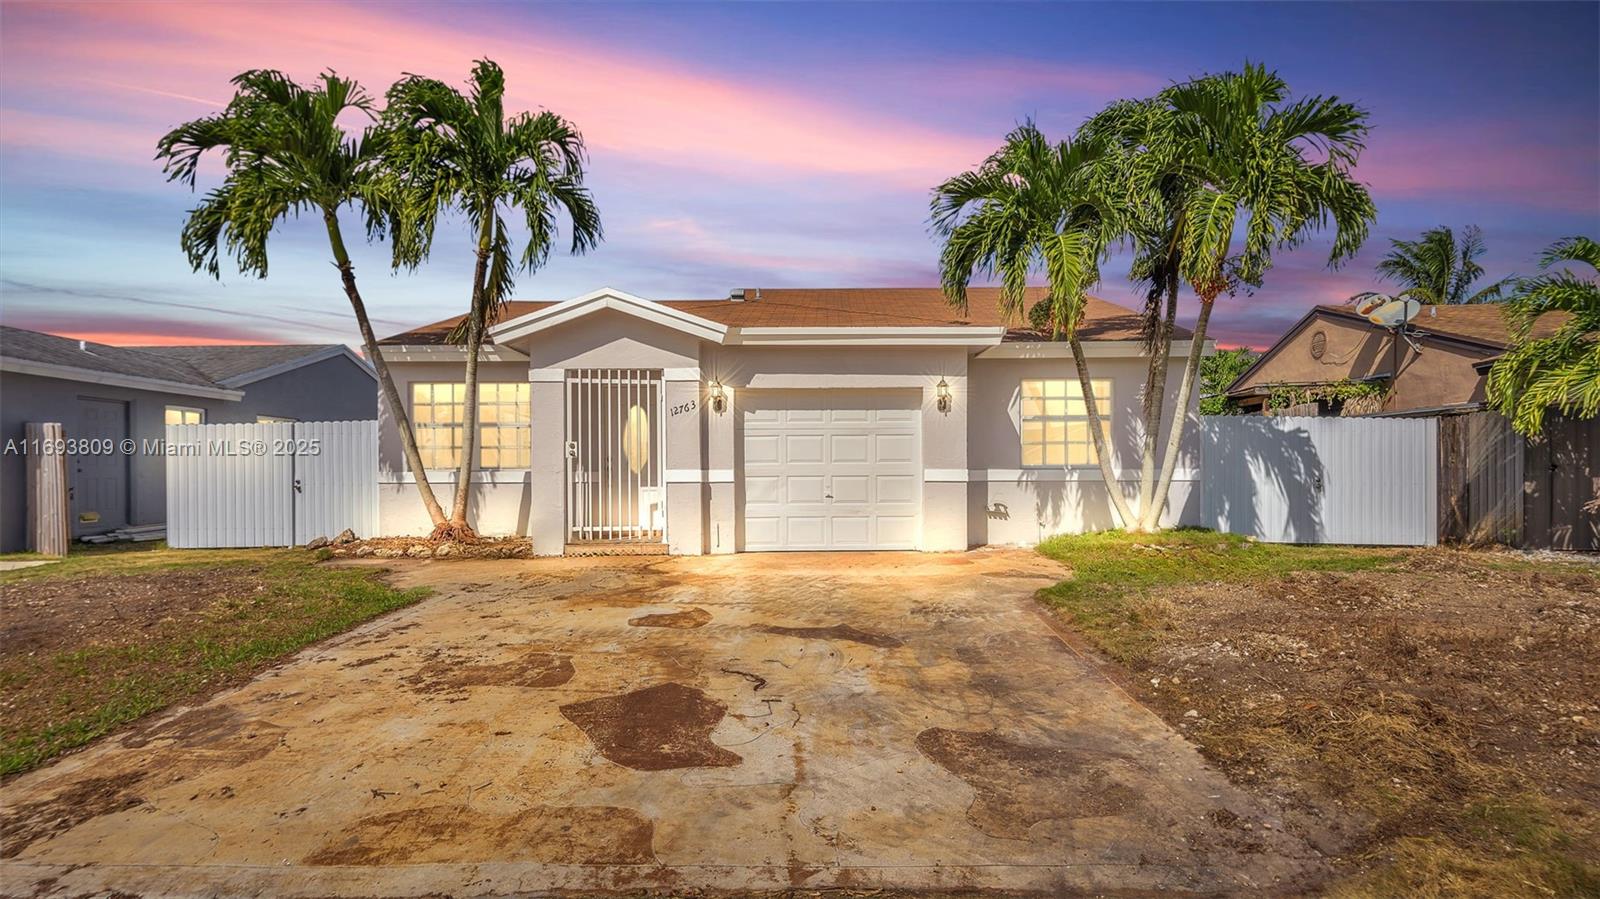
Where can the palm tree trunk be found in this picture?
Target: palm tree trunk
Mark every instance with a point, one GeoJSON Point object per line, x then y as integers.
{"type": "Point", "coordinates": [469, 423]}
{"type": "Point", "coordinates": [1180, 414]}
{"type": "Point", "coordinates": [1109, 474]}
{"type": "Point", "coordinates": [1155, 390]}
{"type": "Point", "coordinates": [391, 395]}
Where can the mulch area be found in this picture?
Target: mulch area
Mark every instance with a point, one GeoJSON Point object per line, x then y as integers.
{"type": "Point", "coordinates": [422, 548]}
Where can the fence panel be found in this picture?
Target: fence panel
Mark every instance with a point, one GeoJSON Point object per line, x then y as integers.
{"type": "Point", "coordinates": [1321, 480]}
{"type": "Point", "coordinates": [270, 484]}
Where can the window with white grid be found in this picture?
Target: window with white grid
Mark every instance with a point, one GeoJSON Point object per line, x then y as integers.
{"type": "Point", "coordinates": [1055, 421]}
{"type": "Point", "coordinates": [504, 424]}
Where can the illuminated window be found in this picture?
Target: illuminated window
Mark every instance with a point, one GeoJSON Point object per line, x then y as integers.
{"type": "Point", "coordinates": [504, 425]}
{"type": "Point", "coordinates": [1055, 421]}
{"type": "Point", "coordinates": [185, 415]}
{"type": "Point", "coordinates": [505, 434]}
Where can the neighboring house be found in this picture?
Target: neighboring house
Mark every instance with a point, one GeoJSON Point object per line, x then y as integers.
{"type": "Point", "coordinates": [775, 419]}
{"type": "Point", "coordinates": [1441, 369]}
{"type": "Point", "coordinates": [116, 393]}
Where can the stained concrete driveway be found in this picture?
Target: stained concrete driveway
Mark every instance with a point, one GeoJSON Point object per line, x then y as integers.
{"type": "Point", "coordinates": [746, 722]}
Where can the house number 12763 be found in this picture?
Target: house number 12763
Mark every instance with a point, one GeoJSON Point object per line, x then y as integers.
{"type": "Point", "coordinates": [682, 408]}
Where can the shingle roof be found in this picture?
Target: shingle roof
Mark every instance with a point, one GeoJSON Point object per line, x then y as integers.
{"type": "Point", "coordinates": [846, 308]}
{"type": "Point", "coordinates": [1479, 323]}
{"type": "Point", "coordinates": [223, 363]}
{"type": "Point", "coordinates": [33, 346]}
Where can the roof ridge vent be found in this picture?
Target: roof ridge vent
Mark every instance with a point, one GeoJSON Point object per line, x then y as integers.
{"type": "Point", "coordinates": [83, 347]}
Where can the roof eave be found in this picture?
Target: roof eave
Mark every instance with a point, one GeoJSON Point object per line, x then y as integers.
{"type": "Point", "coordinates": [93, 376]}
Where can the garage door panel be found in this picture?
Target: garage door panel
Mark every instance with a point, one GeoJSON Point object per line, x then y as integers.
{"type": "Point", "coordinates": [831, 469]}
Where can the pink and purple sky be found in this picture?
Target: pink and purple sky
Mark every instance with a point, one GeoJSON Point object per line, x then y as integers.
{"type": "Point", "coordinates": [763, 144]}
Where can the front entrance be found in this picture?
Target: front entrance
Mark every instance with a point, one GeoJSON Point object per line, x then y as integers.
{"type": "Point", "coordinates": [614, 449]}
{"type": "Point", "coordinates": [98, 477]}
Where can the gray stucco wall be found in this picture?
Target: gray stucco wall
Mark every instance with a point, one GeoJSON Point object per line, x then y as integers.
{"type": "Point", "coordinates": [332, 390]}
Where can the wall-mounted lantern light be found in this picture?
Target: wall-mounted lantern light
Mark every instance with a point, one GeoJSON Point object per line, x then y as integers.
{"type": "Point", "coordinates": [719, 398]}
{"type": "Point", "coordinates": [944, 395]}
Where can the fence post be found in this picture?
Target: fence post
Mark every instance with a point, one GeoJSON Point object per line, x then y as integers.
{"type": "Point", "coordinates": [47, 488]}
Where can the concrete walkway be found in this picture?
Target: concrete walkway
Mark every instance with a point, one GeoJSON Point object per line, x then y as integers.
{"type": "Point", "coordinates": [742, 722]}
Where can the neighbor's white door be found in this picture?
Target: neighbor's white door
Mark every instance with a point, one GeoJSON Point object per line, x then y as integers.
{"type": "Point", "coordinates": [831, 469]}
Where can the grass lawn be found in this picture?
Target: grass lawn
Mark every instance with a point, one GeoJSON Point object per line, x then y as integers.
{"type": "Point", "coordinates": [1428, 717]}
{"type": "Point", "coordinates": [113, 633]}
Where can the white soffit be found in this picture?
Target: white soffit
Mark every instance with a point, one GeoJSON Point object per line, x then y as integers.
{"type": "Point", "coordinates": [1092, 349]}
{"type": "Point", "coordinates": [607, 298]}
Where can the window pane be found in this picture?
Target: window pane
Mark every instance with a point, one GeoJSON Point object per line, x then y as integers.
{"type": "Point", "coordinates": [1055, 388]}
{"type": "Point", "coordinates": [1055, 431]}
{"type": "Point", "coordinates": [1076, 406]}
{"type": "Point", "coordinates": [1032, 407]}
{"type": "Point", "coordinates": [1078, 454]}
{"type": "Point", "coordinates": [1055, 407]}
{"type": "Point", "coordinates": [1055, 454]}
{"type": "Point", "coordinates": [1032, 389]}
{"type": "Point", "coordinates": [1032, 454]}
{"type": "Point", "coordinates": [1032, 432]}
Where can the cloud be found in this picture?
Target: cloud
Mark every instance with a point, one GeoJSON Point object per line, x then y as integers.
{"type": "Point", "coordinates": [1503, 163]}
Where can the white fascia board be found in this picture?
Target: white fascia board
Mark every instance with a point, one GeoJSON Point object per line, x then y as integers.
{"type": "Point", "coordinates": [1092, 349]}
{"type": "Point", "coordinates": [89, 376]}
{"type": "Point", "coordinates": [433, 352]}
{"type": "Point", "coordinates": [271, 371]}
{"type": "Point", "coordinates": [590, 303]}
{"type": "Point", "coordinates": [958, 335]}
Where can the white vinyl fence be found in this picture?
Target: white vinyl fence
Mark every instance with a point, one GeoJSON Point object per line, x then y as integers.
{"type": "Point", "coordinates": [277, 484]}
{"type": "Point", "coordinates": [1321, 480]}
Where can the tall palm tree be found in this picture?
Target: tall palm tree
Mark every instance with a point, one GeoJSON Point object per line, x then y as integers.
{"type": "Point", "coordinates": [1439, 270]}
{"type": "Point", "coordinates": [286, 153]}
{"type": "Point", "coordinates": [461, 152]}
{"type": "Point", "coordinates": [1222, 171]}
{"type": "Point", "coordinates": [1034, 206]}
{"type": "Point", "coordinates": [1560, 370]}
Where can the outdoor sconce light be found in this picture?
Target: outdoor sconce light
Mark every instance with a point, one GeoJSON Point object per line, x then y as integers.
{"type": "Point", "coordinates": [944, 395]}
{"type": "Point", "coordinates": [719, 398]}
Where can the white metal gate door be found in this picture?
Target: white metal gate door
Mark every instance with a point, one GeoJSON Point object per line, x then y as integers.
{"type": "Point", "coordinates": [615, 448]}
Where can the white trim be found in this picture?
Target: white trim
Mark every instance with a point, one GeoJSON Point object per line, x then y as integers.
{"type": "Point", "coordinates": [88, 376]}
{"type": "Point", "coordinates": [1053, 475]}
{"type": "Point", "coordinates": [448, 353]}
{"type": "Point", "coordinates": [261, 374]}
{"type": "Point", "coordinates": [944, 475]}
{"type": "Point", "coordinates": [547, 375]}
{"type": "Point", "coordinates": [697, 476]}
{"type": "Point", "coordinates": [690, 373]}
{"type": "Point", "coordinates": [444, 477]}
{"type": "Point", "coordinates": [948, 335]}
{"type": "Point", "coordinates": [608, 298]}
{"type": "Point", "coordinates": [1092, 349]}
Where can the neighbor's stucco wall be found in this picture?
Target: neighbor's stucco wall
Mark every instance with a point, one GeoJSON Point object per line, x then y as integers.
{"type": "Point", "coordinates": [1010, 505]}
{"type": "Point", "coordinates": [1441, 375]}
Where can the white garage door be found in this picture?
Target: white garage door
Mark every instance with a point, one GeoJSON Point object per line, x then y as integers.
{"type": "Point", "coordinates": [831, 469]}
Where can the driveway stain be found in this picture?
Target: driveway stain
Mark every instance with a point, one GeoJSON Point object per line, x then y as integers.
{"type": "Point", "coordinates": [655, 729]}
{"type": "Point", "coordinates": [450, 673]}
{"type": "Point", "coordinates": [577, 835]}
{"type": "Point", "coordinates": [1019, 785]}
{"type": "Point", "coordinates": [30, 822]}
{"type": "Point", "coordinates": [685, 620]}
{"type": "Point", "coordinates": [836, 632]}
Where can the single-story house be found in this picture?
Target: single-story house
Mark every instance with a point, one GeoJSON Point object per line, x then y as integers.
{"type": "Point", "coordinates": [108, 394]}
{"type": "Point", "coordinates": [797, 419]}
{"type": "Point", "coordinates": [1441, 368]}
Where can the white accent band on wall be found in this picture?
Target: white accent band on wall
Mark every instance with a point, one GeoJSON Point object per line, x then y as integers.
{"type": "Point", "coordinates": [944, 475]}
{"type": "Point", "coordinates": [680, 374]}
{"type": "Point", "coordinates": [1053, 475]}
{"type": "Point", "coordinates": [696, 476]}
{"type": "Point", "coordinates": [547, 375]}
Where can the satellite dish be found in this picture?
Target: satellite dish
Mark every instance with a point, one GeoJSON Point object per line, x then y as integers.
{"type": "Point", "coordinates": [1395, 313]}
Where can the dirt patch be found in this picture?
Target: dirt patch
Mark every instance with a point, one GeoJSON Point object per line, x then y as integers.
{"type": "Point", "coordinates": [654, 729]}
{"type": "Point", "coordinates": [48, 615]}
{"type": "Point", "coordinates": [30, 822]}
{"type": "Point", "coordinates": [687, 619]}
{"type": "Point", "coordinates": [450, 673]}
{"type": "Point", "coordinates": [836, 632]}
{"type": "Point", "coordinates": [1018, 785]}
{"type": "Point", "coordinates": [573, 835]}
{"type": "Point", "coordinates": [420, 548]}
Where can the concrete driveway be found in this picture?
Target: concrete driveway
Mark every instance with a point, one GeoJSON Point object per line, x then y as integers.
{"type": "Point", "coordinates": [743, 722]}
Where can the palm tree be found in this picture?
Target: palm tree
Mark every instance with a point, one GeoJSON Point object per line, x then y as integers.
{"type": "Point", "coordinates": [1220, 172]}
{"type": "Point", "coordinates": [1438, 270]}
{"type": "Point", "coordinates": [1559, 371]}
{"type": "Point", "coordinates": [286, 153]}
{"type": "Point", "coordinates": [460, 152]}
{"type": "Point", "coordinates": [1032, 206]}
